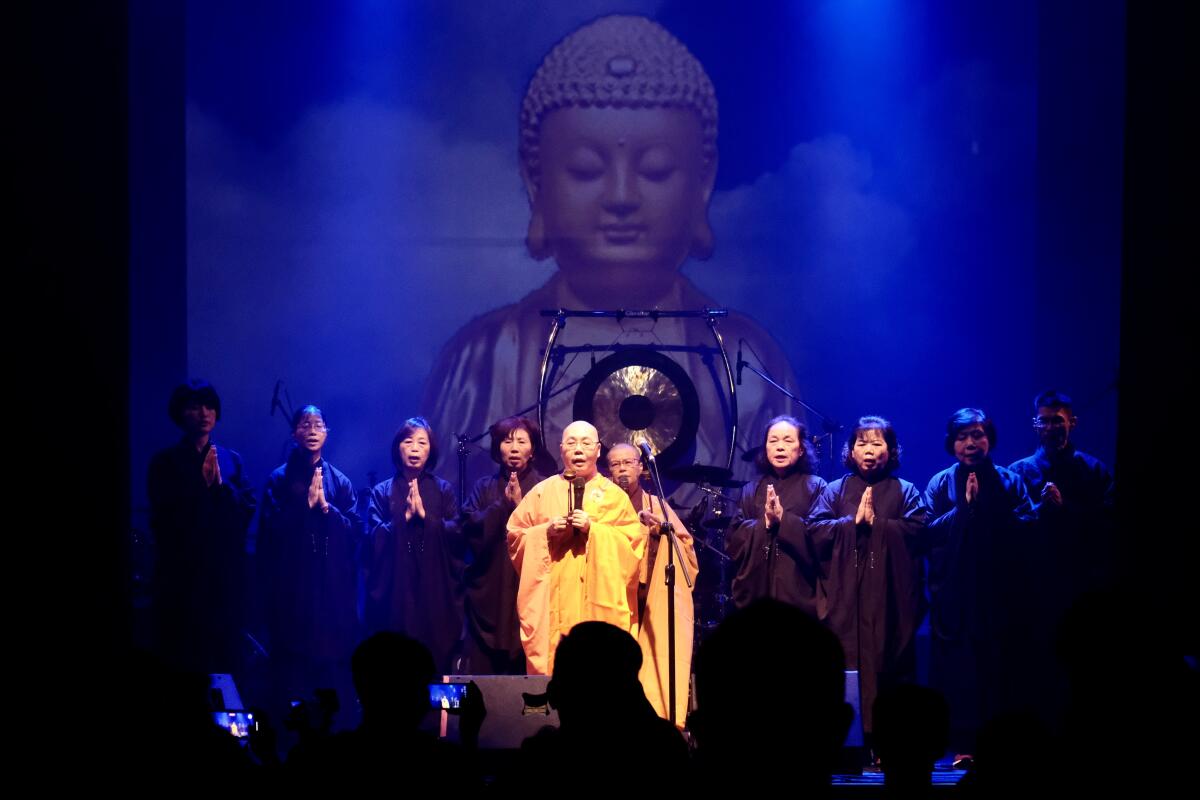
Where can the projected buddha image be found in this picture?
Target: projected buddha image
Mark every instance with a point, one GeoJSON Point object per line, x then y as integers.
{"type": "Point", "coordinates": [618, 154]}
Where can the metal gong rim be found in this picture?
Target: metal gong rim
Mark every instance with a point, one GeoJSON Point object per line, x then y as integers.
{"type": "Point", "coordinates": [639, 393]}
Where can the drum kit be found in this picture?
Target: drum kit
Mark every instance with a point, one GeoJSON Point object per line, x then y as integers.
{"type": "Point", "coordinates": [708, 521]}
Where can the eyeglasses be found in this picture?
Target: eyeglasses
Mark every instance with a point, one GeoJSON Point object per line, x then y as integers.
{"type": "Point", "coordinates": [311, 426]}
{"type": "Point", "coordinates": [627, 462]}
{"type": "Point", "coordinates": [1049, 422]}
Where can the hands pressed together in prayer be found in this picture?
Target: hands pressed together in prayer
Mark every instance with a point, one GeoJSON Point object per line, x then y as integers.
{"type": "Point", "coordinates": [773, 512]}
{"type": "Point", "coordinates": [971, 493]}
{"type": "Point", "coordinates": [866, 509]}
{"type": "Point", "coordinates": [512, 490]}
{"type": "Point", "coordinates": [211, 468]}
{"type": "Point", "coordinates": [316, 491]}
{"type": "Point", "coordinates": [413, 507]}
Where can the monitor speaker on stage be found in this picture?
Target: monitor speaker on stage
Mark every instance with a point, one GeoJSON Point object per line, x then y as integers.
{"type": "Point", "coordinates": [517, 707]}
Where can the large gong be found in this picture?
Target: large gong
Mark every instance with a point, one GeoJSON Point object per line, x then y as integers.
{"type": "Point", "coordinates": [637, 394]}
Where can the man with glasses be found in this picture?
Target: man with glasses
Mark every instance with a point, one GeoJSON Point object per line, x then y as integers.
{"type": "Point", "coordinates": [576, 543]}
{"type": "Point", "coordinates": [1072, 490]}
{"type": "Point", "coordinates": [1073, 494]}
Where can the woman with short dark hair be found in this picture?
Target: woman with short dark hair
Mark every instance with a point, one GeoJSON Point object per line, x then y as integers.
{"type": "Point", "coordinates": [417, 555]}
{"type": "Point", "coordinates": [981, 517]}
{"type": "Point", "coordinates": [869, 531]}
{"type": "Point", "coordinates": [493, 641]}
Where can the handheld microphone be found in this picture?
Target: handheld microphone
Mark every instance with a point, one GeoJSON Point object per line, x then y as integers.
{"type": "Point", "coordinates": [577, 490]}
{"type": "Point", "coordinates": [569, 477]}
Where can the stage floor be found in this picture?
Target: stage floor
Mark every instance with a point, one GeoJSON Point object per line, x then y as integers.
{"type": "Point", "coordinates": [870, 782]}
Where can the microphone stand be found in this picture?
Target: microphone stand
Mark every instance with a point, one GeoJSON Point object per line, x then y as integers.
{"type": "Point", "coordinates": [277, 403]}
{"type": "Point", "coordinates": [829, 425]}
{"type": "Point", "coordinates": [287, 413]}
{"type": "Point", "coordinates": [668, 530]}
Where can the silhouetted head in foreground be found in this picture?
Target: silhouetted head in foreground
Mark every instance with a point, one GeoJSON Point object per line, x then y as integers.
{"type": "Point", "coordinates": [770, 682]}
{"type": "Point", "coordinates": [596, 676]}
{"type": "Point", "coordinates": [391, 675]}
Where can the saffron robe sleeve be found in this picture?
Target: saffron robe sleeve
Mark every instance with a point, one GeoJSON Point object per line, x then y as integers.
{"type": "Point", "coordinates": [585, 577]}
{"type": "Point", "coordinates": [654, 619]}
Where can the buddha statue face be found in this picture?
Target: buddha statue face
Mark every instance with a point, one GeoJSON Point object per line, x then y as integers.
{"type": "Point", "coordinates": [622, 193]}
{"type": "Point", "coordinates": [618, 156]}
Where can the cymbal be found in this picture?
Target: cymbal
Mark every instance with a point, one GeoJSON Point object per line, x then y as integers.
{"type": "Point", "coordinates": [703, 473]}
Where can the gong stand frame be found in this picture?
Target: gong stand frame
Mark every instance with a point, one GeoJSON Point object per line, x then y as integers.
{"type": "Point", "coordinates": [709, 315]}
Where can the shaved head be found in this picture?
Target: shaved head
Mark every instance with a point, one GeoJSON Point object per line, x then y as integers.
{"type": "Point", "coordinates": [581, 428]}
{"type": "Point", "coordinates": [625, 462]}
{"type": "Point", "coordinates": [580, 448]}
{"type": "Point", "coordinates": [623, 446]}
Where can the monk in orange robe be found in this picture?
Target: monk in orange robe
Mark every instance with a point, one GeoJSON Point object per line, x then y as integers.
{"type": "Point", "coordinates": [576, 561]}
{"type": "Point", "coordinates": [651, 631]}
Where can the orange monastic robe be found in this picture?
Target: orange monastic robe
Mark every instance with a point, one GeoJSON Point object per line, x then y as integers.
{"type": "Point", "coordinates": [652, 630]}
{"type": "Point", "coordinates": [588, 577]}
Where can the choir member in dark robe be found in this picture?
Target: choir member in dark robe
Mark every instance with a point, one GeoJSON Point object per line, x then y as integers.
{"type": "Point", "coordinates": [869, 531]}
{"type": "Point", "coordinates": [200, 508]}
{"type": "Point", "coordinates": [308, 542]}
{"type": "Point", "coordinates": [768, 539]}
{"type": "Point", "coordinates": [1072, 493]}
{"type": "Point", "coordinates": [981, 538]}
{"type": "Point", "coordinates": [493, 641]}
{"type": "Point", "coordinates": [414, 582]}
